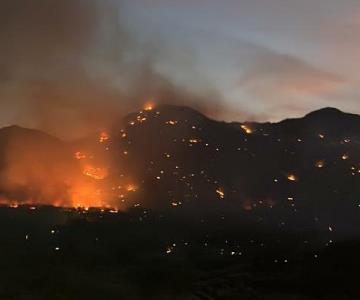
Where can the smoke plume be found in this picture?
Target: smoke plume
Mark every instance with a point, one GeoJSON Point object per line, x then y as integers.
{"type": "Point", "coordinates": [71, 67]}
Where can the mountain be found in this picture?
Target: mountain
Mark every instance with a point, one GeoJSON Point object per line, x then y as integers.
{"type": "Point", "coordinates": [305, 168]}
{"type": "Point", "coordinates": [297, 171]}
{"type": "Point", "coordinates": [327, 121]}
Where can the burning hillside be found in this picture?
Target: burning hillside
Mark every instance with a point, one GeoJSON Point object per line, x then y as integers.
{"type": "Point", "coordinates": [173, 157]}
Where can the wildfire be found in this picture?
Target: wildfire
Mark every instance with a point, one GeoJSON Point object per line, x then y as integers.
{"type": "Point", "coordinates": [83, 197]}
{"type": "Point", "coordinates": [95, 173]}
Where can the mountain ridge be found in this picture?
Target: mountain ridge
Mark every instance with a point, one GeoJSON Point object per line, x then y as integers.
{"type": "Point", "coordinates": [181, 111]}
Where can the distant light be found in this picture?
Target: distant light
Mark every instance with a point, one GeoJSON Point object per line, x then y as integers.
{"type": "Point", "coordinates": [345, 157]}
{"type": "Point", "coordinates": [320, 164]}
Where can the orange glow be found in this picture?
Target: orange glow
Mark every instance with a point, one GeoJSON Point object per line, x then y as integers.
{"type": "Point", "coordinates": [345, 157]}
{"type": "Point", "coordinates": [95, 173]}
{"type": "Point", "coordinates": [84, 195]}
{"type": "Point", "coordinates": [104, 136]}
{"type": "Point", "coordinates": [292, 177]}
{"type": "Point", "coordinates": [247, 129]}
{"type": "Point", "coordinates": [79, 155]}
{"type": "Point", "coordinates": [194, 141]}
{"type": "Point", "coordinates": [149, 105]}
{"type": "Point", "coordinates": [141, 119]}
{"type": "Point", "coordinates": [131, 188]}
{"type": "Point", "coordinates": [50, 176]}
{"type": "Point", "coordinates": [247, 205]}
{"type": "Point", "coordinates": [171, 122]}
{"type": "Point", "coordinates": [221, 193]}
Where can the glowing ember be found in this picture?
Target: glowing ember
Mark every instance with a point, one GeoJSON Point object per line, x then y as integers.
{"type": "Point", "coordinates": [85, 195]}
{"type": "Point", "coordinates": [171, 122]}
{"type": "Point", "coordinates": [320, 164]}
{"type": "Point", "coordinates": [194, 141]}
{"type": "Point", "coordinates": [292, 177]}
{"type": "Point", "coordinates": [247, 129]}
{"type": "Point", "coordinates": [131, 188]}
{"type": "Point", "coordinates": [141, 119]}
{"type": "Point", "coordinates": [345, 157]}
{"type": "Point", "coordinates": [149, 106]}
{"type": "Point", "coordinates": [221, 193]}
{"type": "Point", "coordinates": [104, 136]}
{"type": "Point", "coordinates": [79, 155]}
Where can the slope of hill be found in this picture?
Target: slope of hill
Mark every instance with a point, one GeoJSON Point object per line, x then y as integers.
{"type": "Point", "coordinates": [297, 171]}
{"type": "Point", "coordinates": [306, 168]}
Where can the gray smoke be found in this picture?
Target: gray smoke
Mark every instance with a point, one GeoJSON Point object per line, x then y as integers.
{"type": "Point", "coordinates": [70, 67]}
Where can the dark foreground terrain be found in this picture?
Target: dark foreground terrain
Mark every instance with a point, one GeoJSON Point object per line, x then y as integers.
{"type": "Point", "coordinates": [56, 253]}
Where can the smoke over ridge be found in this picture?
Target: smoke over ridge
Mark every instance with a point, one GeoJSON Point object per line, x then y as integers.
{"type": "Point", "coordinates": [71, 67]}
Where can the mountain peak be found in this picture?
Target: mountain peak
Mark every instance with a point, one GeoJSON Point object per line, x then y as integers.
{"type": "Point", "coordinates": [179, 109]}
{"type": "Point", "coordinates": [325, 112]}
